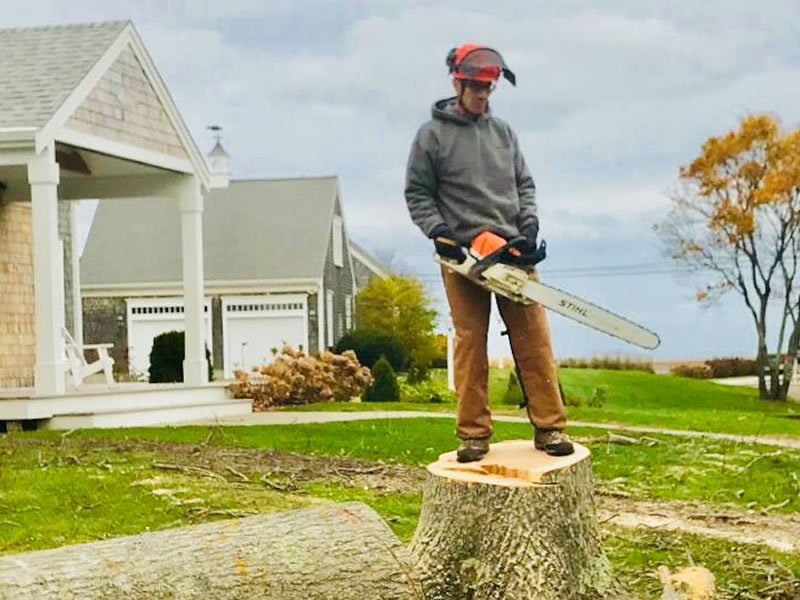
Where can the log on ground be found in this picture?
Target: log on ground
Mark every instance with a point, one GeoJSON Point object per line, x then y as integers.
{"type": "Point", "coordinates": [338, 551]}
{"type": "Point", "coordinates": [518, 524]}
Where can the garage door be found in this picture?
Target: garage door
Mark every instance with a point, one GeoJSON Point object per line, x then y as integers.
{"type": "Point", "coordinates": [148, 318]}
{"type": "Point", "coordinates": [252, 326]}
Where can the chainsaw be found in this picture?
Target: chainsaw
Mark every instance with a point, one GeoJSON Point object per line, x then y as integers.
{"type": "Point", "coordinates": [507, 268]}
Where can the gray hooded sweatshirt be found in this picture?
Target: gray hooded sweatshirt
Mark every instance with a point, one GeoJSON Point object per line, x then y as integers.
{"type": "Point", "coordinates": [469, 174]}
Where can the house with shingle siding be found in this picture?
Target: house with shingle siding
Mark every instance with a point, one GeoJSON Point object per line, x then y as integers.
{"type": "Point", "coordinates": [278, 270]}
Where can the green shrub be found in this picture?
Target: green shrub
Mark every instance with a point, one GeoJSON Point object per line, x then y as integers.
{"type": "Point", "coordinates": [166, 358]}
{"type": "Point", "coordinates": [370, 344]}
{"type": "Point", "coordinates": [513, 393]}
{"type": "Point", "coordinates": [599, 397]}
{"type": "Point", "coordinates": [429, 391]}
{"type": "Point", "coordinates": [692, 371]}
{"type": "Point", "coordinates": [417, 373]}
{"type": "Point", "coordinates": [384, 387]}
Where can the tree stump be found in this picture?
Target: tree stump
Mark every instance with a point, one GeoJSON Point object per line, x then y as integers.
{"type": "Point", "coordinates": [518, 524]}
{"type": "Point", "coordinates": [341, 552]}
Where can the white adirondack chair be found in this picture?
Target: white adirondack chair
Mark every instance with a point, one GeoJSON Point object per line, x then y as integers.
{"type": "Point", "coordinates": [77, 365]}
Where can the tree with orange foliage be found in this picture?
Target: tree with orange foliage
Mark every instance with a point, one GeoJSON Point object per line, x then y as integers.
{"type": "Point", "coordinates": [736, 218]}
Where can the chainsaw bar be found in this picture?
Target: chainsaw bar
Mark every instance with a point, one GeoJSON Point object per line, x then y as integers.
{"type": "Point", "coordinates": [518, 285]}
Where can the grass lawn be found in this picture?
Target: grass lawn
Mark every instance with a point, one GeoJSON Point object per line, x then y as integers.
{"type": "Point", "coordinates": [632, 398]}
{"type": "Point", "coordinates": [58, 489]}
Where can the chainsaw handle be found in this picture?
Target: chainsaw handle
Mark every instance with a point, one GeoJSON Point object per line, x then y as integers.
{"type": "Point", "coordinates": [505, 255]}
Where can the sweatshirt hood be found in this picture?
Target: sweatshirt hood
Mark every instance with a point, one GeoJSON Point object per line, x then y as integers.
{"type": "Point", "coordinates": [448, 109]}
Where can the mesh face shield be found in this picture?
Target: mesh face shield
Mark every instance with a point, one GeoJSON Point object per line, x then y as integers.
{"type": "Point", "coordinates": [481, 64]}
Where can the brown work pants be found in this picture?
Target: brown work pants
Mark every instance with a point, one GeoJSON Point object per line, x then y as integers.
{"type": "Point", "coordinates": [470, 307]}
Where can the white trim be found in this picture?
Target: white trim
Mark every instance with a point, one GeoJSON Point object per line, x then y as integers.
{"type": "Point", "coordinates": [15, 156]}
{"type": "Point", "coordinates": [171, 109]}
{"type": "Point", "coordinates": [348, 312]}
{"type": "Point", "coordinates": [337, 233]}
{"type": "Point", "coordinates": [369, 262]}
{"type": "Point", "coordinates": [214, 288]}
{"type": "Point", "coordinates": [261, 299]}
{"type": "Point", "coordinates": [320, 317]}
{"type": "Point", "coordinates": [338, 202]}
{"type": "Point", "coordinates": [127, 37]}
{"type": "Point", "coordinates": [122, 150]}
{"type": "Point", "coordinates": [329, 317]}
{"type": "Point", "coordinates": [79, 94]}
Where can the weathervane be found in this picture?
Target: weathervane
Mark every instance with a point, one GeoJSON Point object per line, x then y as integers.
{"type": "Point", "coordinates": [217, 131]}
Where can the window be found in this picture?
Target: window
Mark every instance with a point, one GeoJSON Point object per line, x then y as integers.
{"type": "Point", "coordinates": [329, 315]}
{"type": "Point", "coordinates": [338, 241]}
{"type": "Point", "coordinates": [348, 312]}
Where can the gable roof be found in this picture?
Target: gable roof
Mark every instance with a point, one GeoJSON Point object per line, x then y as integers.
{"type": "Point", "coordinates": [254, 230]}
{"type": "Point", "coordinates": [370, 261]}
{"type": "Point", "coordinates": [42, 66]}
{"type": "Point", "coordinates": [47, 71]}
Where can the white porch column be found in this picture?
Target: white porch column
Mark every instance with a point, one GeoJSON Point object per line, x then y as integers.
{"type": "Point", "coordinates": [43, 176]}
{"type": "Point", "coordinates": [77, 301]}
{"type": "Point", "coordinates": [190, 203]}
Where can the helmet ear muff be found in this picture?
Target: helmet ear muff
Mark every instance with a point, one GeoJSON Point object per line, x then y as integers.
{"type": "Point", "coordinates": [450, 61]}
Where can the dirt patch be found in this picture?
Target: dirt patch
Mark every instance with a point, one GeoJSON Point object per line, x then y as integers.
{"type": "Point", "coordinates": [282, 471]}
{"type": "Point", "coordinates": [781, 532]}
{"type": "Point", "coordinates": [287, 472]}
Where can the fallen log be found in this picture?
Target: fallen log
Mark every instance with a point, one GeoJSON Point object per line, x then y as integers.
{"type": "Point", "coordinates": [341, 551]}
{"type": "Point", "coordinates": [518, 524]}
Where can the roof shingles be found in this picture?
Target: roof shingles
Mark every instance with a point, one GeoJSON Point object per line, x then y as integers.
{"type": "Point", "coordinates": [254, 230]}
{"type": "Point", "coordinates": [42, 66]}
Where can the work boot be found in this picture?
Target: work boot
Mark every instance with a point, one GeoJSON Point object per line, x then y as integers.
{"type": "Point", "coordinates": [553, 441]}
{"type": "Point", "coordinates": [472, 450]}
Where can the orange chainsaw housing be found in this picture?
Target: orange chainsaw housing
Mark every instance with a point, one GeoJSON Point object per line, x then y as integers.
{"type": "Point", "coordinates": [487, 242]}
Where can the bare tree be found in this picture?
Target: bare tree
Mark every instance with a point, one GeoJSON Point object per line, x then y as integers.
{"type": "Point", "coordinates": [736, 221]}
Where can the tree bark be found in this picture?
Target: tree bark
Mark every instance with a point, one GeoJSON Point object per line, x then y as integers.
{"type": "Point", "coordinates": [333, 552]}
{"type": "Point", "coordinates": [516, 525]}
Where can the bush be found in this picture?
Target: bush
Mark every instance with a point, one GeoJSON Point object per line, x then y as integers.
{"type": "Point", "coordinates": [732, 367]}
{"type": "Point", "coordinates": [384, 386]}
{"type": "Point", "coordinates": [426, 391]}
{"type": "Point", "coordinates": [166, 358]}
{"type": "Point", "coordinates": [599, 397]}
{"type": "Point", "coordinates": [370, 344]}
{"type": "Point", "coordinates": [614, 363]}
{"type": "Point", "coordinates": [692, 371]}
{"type": "Point", "coordinates": [294, 378]}
{"type": "Point", "coordinates": [417, 373]}
{"type": "Point", "coordinates": [513, 393]}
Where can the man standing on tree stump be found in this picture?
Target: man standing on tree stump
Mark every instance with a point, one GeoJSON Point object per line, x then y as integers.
{"type": "Point", "coordinates": [465, 176]}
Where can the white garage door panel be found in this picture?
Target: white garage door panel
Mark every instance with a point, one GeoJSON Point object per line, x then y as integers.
{"type": "Point", "coordinates": [150, 318]}
{"type": "Point", "coordinates": [251, 339]}
{"type": "Point", "coordinates": [141, 339]}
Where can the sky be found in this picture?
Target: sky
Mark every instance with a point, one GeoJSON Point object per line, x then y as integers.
{"type": "Point", "coordinates": [611, 99]}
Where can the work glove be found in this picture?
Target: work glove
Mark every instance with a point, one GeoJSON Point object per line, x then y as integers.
{"type": "Point", "coordinates": [531, 233]}
{"type": "Point", "coordinates": [446, 244]}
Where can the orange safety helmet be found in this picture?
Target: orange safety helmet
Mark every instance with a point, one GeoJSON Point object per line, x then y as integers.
{"type": "Point", "coordinates": [473, 61]}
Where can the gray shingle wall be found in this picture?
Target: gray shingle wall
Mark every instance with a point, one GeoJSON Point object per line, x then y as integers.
{"type": "Point", "coordinates": [105, 321]}
{"type": "Point", "coordinates": [65, 233]}
{"type": "Point", "coordinates": [340, 280]}
{"type": "Point", "coordinates": [124, 107]}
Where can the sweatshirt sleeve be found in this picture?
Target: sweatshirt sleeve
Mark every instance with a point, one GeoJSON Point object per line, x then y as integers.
{"type": "Point", "coordinates": [526, 188]}
{"type": "Point", "coordinates": [421, 189]}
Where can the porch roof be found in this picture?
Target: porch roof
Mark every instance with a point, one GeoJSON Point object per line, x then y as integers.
{"type": "Point", "coordinates": [42, 66]}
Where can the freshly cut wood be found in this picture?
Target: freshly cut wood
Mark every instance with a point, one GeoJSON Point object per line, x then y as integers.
{"type": "Point", "coordinates": [341, 551]}
{"type": "Point", "coordinates": [518, 524]}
